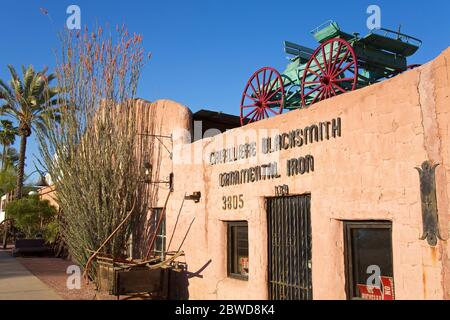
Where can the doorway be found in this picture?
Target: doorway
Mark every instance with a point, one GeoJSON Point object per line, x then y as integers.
{"type": "Point", "coordinates": [289, 242]}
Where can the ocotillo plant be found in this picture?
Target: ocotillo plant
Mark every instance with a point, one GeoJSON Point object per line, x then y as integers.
{"type": "Point", "coordinates": [91, 152]}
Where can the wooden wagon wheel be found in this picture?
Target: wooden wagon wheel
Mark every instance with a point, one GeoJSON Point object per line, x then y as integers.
{"type": "Point", "coordinates": [332, 70]}
{"type": "Point", "coordinates": [263, 96]}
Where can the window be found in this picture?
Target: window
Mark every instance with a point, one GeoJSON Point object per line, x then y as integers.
{"type": "Point", "coordinates": [238, 250]}
{"type": "Point", "coordinates": [159, 248]}
{"type": "Point", "coordinates": [366, 244]}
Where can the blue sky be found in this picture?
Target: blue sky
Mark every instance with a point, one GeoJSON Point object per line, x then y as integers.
{"type": "Point", "coordinates": [203, 52]}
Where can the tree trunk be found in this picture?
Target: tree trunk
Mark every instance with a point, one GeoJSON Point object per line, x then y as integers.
{"type": "Point", "coordinates": [21, 166]}
{"type": "Point", "coordinates": [5, 234]}
{"type": "Point", "coordinates": [4, 158]}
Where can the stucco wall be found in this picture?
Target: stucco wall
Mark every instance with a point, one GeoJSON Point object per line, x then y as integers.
{"type": "Point", "coordinates": [368, 173]}
{"type": "Point", "coordinates": [48, 193]}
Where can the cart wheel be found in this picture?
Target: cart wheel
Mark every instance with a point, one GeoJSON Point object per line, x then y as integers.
{"type": "Point", "coordinates": [263, 96]}
{"type": "Point", "coordinates": [332, 70]}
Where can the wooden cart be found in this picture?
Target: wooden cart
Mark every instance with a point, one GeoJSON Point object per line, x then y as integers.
{"type": "Point", "coordinates": [126, 277]}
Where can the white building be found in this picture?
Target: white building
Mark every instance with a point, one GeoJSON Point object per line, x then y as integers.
{"type": "Point", "coordinates": [3, 201]}
{"type": "Point", "coordinates": [2, 208]}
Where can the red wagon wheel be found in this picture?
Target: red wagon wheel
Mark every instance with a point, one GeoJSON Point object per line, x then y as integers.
{"type": "Point", "coordinates": [263, 96]}
{"type": "Point", "coordinates": [332, 70]}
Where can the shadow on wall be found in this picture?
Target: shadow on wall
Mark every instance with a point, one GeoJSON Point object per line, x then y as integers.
{"type": "Point", "coordinates": [179, 281]}
{"type": "Point", "coordinates": [150, 151]}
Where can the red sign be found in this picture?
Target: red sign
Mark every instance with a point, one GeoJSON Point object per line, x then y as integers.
{"type": "Point", "coordinates": [243, 262]}
{"type": "Point", "coordinates": [386, 292]}
{"type": "Point", "coordinates": [370, 292]}
{"type": "Point", "coordinates": [388, 288]}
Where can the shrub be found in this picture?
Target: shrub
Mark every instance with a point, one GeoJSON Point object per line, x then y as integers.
{"type": "Point", "coordinates": [33, 216]}
{"type": "Point", "coordinates": [92, 152]}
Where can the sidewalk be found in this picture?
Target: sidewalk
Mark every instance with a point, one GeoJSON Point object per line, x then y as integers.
{"type": "Point", "coordinates": [17, 283]}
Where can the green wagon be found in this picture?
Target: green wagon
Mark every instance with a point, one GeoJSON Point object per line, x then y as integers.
{"type": "Point", "coordinates": [343, 62]}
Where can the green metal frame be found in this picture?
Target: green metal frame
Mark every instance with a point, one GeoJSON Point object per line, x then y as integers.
{"type": "Point", "coordinates": [381, 54]}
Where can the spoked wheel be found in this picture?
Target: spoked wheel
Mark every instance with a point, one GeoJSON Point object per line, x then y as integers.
{"type": "Point", "coordinates": [263, 96]}
{"type": "Point", "coordinates": [332, 70]}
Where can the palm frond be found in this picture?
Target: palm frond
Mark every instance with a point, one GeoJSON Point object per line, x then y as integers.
{"type": "Point", "coordinates": [16, 83]}
{"type": "Point", "coordinates": [6, 93]}
{"type": "Point", "coordinates": [41, 127]}
{"type": "Point", "coordinates": [28, 79]}
{"type": "Point", "coordinates": [30, 99]}
{"type": "Point", "coordinates": [8, 132]}
{"type": "Point", "coordinates": [8, 109]}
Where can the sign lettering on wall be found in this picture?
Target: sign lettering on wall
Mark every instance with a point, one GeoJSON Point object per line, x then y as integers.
{"type": "Point", "coordinates": [297, 138]}
{"type": "Point", "coordinates": [282, 190]}
{"type": "Point", "coordinates": [300, 137]}
{"type": "Point", "coordinates": [233, 202]}
{"type": "Point", "coordinates": [243, 151]}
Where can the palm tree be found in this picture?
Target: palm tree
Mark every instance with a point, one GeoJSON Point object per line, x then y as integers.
{"type": "Point", "coordinates": [7, 138]}
{"type": "Point", "coordinates": [31, 102]}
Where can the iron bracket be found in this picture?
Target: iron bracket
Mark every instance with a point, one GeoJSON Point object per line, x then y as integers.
{"type": "Point", "coordinates": [194, 196]}
{"type": "Point", "coordinates": [430, 219]}
{"type": "Point", "coordinates": [159, 137]}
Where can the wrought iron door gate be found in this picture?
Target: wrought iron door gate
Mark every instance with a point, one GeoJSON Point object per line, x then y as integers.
{"type": "Point", "coordinates": [289, 240]}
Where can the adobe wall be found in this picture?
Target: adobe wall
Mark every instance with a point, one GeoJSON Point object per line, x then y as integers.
{"type": "Point", "coordinates": [366, 173]}
{"type": "Point", "coordinates": [48, 193]}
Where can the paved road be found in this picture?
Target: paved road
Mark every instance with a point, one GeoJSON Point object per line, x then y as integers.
{"type": "Point", "coordinates": [17, 283]}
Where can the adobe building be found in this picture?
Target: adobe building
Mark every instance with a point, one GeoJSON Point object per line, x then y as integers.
{"type": "Point", "coordinates": [320, 203]}
{"type": "Point", "coordinates": [348, 198]}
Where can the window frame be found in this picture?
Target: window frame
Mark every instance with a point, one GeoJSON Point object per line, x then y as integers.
{"type": "Point", "coordinates": [231, 249]}
{"type": "Point", "coordinates": [156, 213]}
{"type": "Point", "coordinates": [348, 250]}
